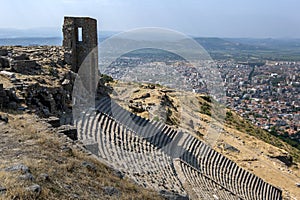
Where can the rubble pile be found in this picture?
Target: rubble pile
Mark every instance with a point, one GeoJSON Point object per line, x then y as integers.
{"type": "Point", "coordinates": [36, 79]}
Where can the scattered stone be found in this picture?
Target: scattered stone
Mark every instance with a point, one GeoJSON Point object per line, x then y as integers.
{"type": "Point", "coordinates": [298, 185]}
{"type": "Point", "coordinates": [8, 74]}
{"type": "Point", "coordinates": [20, 167]}
{"type": "Point", "coordinates": [150, 86]}
{"type": "Point", "coordinates": [3, 52]}
{"type": "Point", "coordinates": [34, 188]}
{"type": "Point", "coordinates": [286, 159]}
{"type": "Point", "coordinates": [20, 57]}
{"type": "Point", "coordinates": [151, 104]}
{"type": "Point", "coordinates": [26, 177]}
{"type": "Point", "coordinates": [2, 190]}
{"type": "Point", "coordinates": [4, 119]}
{"type": "Point", "coordinates": [66, 82]}
{"type": "Point", "coordinates": [12, 105]}
{"type": "Point", "coordinates": [69, 131]}
{"type": "Point", "coordinates": [4, 62]}
{"type": "Point", "coordinates": [144, 96]}
{"type": "Point", "coordinates": [172, 196]}
{"type": "Point", "coordinates": [136, 107]}
{"type": "Point", "coordinates": [68, 187]}
{"type": "Point", "coordinates": [89, 166]}
{"type": "Point", "coordinates": [22, 108]}
{"type": "Point", "coordinates": [66, 149]}
{"type": "Point", "coordinates": [25, 66]}
{"type": "Point", "coordinates": [53, 121]}
{"type": "Point", "coordinates": [228, 147]}
{"type": "Point", "coordinates": [46, 111]}
{"type": "Point", "coordinates": [118, 173]}
{"type": "Point", "coordinates": [44, 177]}
{"type": "Point", "coordinates": [111, 191]}
{"type": "Point", "coordinates": [68, 57]}
{"type": "Point", "coordinates": [42, 81]}
{"type": "Point", "coordinates": [250, 159]}
{"type": "Point", "coordinates": [76, 196]}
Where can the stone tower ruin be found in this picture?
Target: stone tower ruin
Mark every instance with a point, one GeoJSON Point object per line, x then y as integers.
{"type": "Point", "coordinates": [79, 40]}
{"type": "Point", "coordinates": [81, 52]}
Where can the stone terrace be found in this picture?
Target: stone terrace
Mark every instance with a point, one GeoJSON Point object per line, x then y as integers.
{"type": "Point", "coordinates": [144, 150]}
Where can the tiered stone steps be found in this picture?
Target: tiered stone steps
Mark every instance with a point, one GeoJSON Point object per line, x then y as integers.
{"type": "Point", "coordinates": [146, 150]}
{"type": "Point", "coordinates": [199, 186]}
{"type": "Point", "coordinates": [124, 150]}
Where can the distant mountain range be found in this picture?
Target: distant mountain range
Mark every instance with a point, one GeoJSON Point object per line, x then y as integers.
{"type": "Point", "coordinates": [248, 44]}
{"type": "Point", "coordinates": [43, 32]}
{"type": "Point", "coordinates": [220, 48]}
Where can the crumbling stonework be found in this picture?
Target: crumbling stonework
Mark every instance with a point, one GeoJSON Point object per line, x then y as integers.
{"type": "Point", "coordinates": [4, 62]}
{"type": "Point", "coordinates": [37, 80]}
{"type": "Point", "coordinates": [3, 52]}
{"type": "Point", "coordinates": [24, 66]}
{"type": "Point", "coordinates": [3, 97]}
{"type": "Point", "coordinates": [81, 51]}
{"type": "Point", "coordinates": [80, 38]}
{"type": "Point", "coordinates": [8, 98]}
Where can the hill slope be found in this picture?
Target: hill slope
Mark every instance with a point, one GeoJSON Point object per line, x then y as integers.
{"type": "Point", "coordinates": [255, 150]}
{"type": "Point", "coordinates": [38, 163]}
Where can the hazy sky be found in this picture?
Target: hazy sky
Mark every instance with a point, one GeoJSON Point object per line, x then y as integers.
{"type": "Point", "coordinates": [220, 18]}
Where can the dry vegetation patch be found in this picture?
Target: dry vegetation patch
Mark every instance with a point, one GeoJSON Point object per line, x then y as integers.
{"type": "Point", "coordinates": [56, 167]}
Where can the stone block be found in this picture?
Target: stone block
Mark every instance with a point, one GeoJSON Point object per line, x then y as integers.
{"type": "Point", "coordinates": [69, 131]}
{"type": "Point", "coordinates": [4, 62]}
{"type": "Point", "coordinates": [91, 146]}
{"type": "Point", "coordinates": [20, 57]}
{"type": "Point", "coordinates": [24, 66]}
{"type": "Point", "coordinates": [8, 74]}
{"type": "Point", "coordinates": [2, 93]}
{"type": "Point", "coordinates": [53, 121]}
{"type": "Point", "coordinates": [68, 58]}
{"type": "Point", "coordinates": [3, 52]}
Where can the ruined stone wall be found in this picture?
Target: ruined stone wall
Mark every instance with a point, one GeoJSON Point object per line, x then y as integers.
{"type": "Point", "coordinates": [3, 97]}
{"type": "Point", "coordinates": [79, 47]}
{"type": "Point", "coordinates": [24, 66]}
{"type": "Point", "coordinates": [80, 42]}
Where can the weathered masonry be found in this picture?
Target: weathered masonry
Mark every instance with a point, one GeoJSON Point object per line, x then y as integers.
{"type": "Point", "coordinates": [79, 40]}
{"type": "Point", "coordinates": [81, 52]}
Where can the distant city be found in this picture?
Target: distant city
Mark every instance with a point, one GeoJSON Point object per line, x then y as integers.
{"type": "Point", "coordinates": [266, 93]}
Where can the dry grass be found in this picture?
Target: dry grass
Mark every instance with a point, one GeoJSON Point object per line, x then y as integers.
{"type": "Point", "coordinates": [27, 141]}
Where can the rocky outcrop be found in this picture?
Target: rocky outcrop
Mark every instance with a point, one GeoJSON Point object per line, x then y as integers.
{"type": "Point", "coordinates": [39, 78]}
{"type": "Point", "coordinates": [8, 98]}
{"type": "Point", "coordinates": [4, 62]}
{"type": "Point", "coordinates": [3, 97]}
{"type": "Point", "coordinates": [25, 66]}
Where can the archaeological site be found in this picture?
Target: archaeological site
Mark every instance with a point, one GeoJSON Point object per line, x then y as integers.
{"type": "Point", "coordinates": [39, 81]}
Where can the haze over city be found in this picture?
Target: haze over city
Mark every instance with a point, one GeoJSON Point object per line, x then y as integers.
{"type": "Point", "coordinates": [215, 18]}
